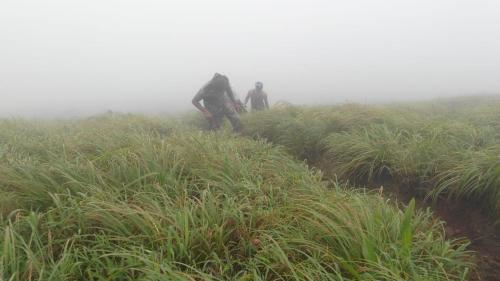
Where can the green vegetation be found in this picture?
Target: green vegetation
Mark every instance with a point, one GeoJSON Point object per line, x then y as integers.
{"type": "Point", "coordinates": [445, 148]}
{"type": "Point", "coordinates": [132, 198]}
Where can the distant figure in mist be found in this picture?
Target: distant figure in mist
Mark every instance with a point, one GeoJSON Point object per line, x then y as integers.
{"type": "Point", "coordinates": [218, 102]}
{"type": "Point", "coordinates": [258, 98]}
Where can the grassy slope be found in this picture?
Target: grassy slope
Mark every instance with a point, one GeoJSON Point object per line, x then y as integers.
{"type": "Point", "coordinates": [451, 147]}
{"type": "Point", "coordinates": [130, 198]}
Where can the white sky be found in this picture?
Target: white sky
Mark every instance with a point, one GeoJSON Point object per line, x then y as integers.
{"type": "Point", "coordinates": [83, 56]}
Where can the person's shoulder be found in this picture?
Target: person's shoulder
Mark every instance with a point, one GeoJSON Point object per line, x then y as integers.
{"type": "Point", "coordinates": [204, 87]}
{"type": "Point", "coordinates": [203, 90]}
{"type": "Point", "coordinates": [207, 85]}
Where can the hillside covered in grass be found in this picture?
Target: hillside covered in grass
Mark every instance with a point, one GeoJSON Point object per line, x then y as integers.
{"type": "Point", "coordinates": [132, 198]}
{"type": "Point", "coordinates": [444, 149]}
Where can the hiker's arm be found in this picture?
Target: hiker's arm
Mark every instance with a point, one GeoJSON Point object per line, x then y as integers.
{"type": "Point", "coordinates": [198, 105]}
{"type": "Point", "coordinates": [265, 101]}
{"type": "Point", "coordinates": [196, 102]}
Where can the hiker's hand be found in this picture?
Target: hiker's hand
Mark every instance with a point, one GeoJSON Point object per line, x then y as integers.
{"type": "Point", "coordinates": [237, 107]}
{"type": "Point", "coordinates": [207, 114]}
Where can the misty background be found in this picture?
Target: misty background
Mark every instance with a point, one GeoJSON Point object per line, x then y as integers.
{"type": "Point", "coordinates": [80, 57]}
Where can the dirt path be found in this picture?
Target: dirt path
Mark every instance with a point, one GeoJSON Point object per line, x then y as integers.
{"type": "Point", "coordinates": [461, 220]}
{"type": "Point", "coordinates": [464, 220]}
{"type": "Point", "coordinates": [469, 221]}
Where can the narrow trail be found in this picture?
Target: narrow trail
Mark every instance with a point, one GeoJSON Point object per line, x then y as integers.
{"type": "Point", "coordinates": [469, 221]}
{"type": "Point", "coordinates": [464, 220]}
{"type": "Point", "coordinates": [461, 220]}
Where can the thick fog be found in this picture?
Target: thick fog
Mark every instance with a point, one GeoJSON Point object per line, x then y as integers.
{"type": "Point", "coordinates": [74, 57]}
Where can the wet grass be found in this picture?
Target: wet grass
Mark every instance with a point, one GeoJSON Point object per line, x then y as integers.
{"type": "Point", "coordinates": [134, 198]}
{"type": "Point", "coordinates": [445, 149]}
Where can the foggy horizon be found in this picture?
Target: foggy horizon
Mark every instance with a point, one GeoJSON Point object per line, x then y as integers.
{"type": "Point", "coordinates": [73, 58]}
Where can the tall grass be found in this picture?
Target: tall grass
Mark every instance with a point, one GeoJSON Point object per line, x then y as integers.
{"type": "Point", "coordinates": [447, 148]}
{"type": "Point", "coordinates": [474, 175]}
{"type": "Point", "coordinates": [302, 130]}
{"type": "Point", "coordinates": [111, 199]}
